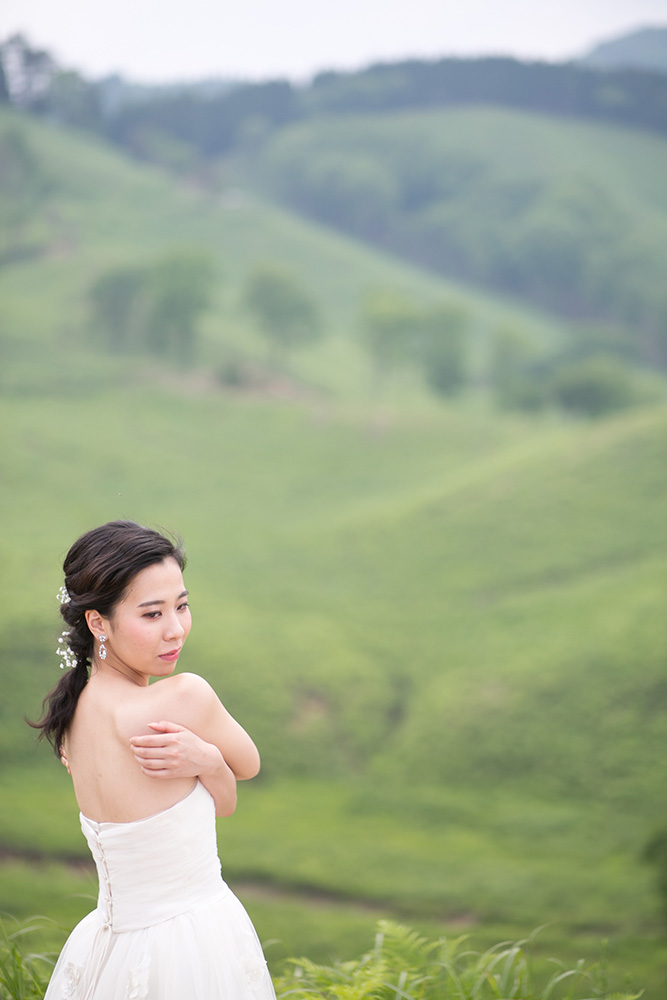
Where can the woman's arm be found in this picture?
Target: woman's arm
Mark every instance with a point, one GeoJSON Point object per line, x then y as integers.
{"type": "Point", "coordinates": [200, 739]}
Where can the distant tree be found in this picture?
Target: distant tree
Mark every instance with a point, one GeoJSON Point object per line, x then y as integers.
{"type": "Point", "coordinates": [155, 308]}
{"type": "Point", "coordinates": [118, 300]}
{"type": "Point", "coordinates": [443, 347]}
{"type": "Point", "coordinates": [31, 80]}
{"type": "Point", "coordinates": [391, 328]}
{"type": "Point", "coordinates": [595, 386]}
{"type": "Point", "coordinates": [178, 291]}
{"type": "Point", "coordinates": [286, 314]}
{"type": "Point", "coordinates": [28, 73]}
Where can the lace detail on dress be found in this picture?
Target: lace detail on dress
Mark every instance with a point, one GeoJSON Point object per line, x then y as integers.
{"type": "Point", "coordinates": [254, 966]}
{"type": "Point", "coordinates": [72, 981]}
{"type": "Point", "coordinates": [137, 982]}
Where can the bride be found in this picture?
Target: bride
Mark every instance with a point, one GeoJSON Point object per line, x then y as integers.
{"type": "Point", "coordinates": [152, 766]}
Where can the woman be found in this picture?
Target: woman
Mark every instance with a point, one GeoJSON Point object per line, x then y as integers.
{"type": "Point", "coordinates": [152, 765]}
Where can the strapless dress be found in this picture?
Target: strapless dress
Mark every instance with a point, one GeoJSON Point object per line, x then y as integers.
{"type": "Point", "coordinates": [166, 925]}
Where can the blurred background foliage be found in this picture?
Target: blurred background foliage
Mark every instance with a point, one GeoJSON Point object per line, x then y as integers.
{"type": "Point", "coordinates": [388, 349]}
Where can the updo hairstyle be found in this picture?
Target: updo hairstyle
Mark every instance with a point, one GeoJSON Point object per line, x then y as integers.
{"type": "Point", "coordinates": [99, 568]}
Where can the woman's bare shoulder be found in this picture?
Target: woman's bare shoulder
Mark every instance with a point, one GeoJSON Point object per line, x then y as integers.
{"type": "Point", "coordinates": [191, 682]}
{"type": "Point", "coordinates": [184, 698]}
{"type": "Point", "coordinates": [181, 686]}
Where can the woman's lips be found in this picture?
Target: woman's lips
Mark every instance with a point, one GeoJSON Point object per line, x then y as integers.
{"type": "Point", "coordinates": [171, 655]}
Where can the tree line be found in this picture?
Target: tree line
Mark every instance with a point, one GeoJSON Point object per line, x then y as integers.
{"type": "Point", "coordinates": [214, 123]}
{"type": "Point", "coordinates": [156, 309]}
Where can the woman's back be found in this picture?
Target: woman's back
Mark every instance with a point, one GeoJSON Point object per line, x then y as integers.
{"type": "Point", "coordinates": [108, 784]}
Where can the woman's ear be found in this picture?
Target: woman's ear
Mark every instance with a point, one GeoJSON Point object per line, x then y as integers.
{"type": "Point", "coordinates": [95, 623]}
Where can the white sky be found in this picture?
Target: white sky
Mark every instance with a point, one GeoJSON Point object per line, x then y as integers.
{"type": "Point", "coordinates": [161, 40]}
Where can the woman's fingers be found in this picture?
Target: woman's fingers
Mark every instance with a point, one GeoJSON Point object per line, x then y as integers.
{"type": "Point", "coordinates": [173, 752]}
{"type": "Point", "coordinates": [161, 759]}
{"type": "Point", "coordinates": [167, 727]}
{"type": "Point", "coordinates": [157, 740]}
{"type": "Point", "coordinates": [154, 749]}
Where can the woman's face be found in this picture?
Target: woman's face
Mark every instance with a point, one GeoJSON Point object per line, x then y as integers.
{"type": "Point", "coordinates": [148, 627]}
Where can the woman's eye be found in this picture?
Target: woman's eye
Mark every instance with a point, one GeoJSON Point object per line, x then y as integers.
{"type": "Point", "coordinates": [152, 614]}
{"type": "Point", "coordinates": [183, 607]}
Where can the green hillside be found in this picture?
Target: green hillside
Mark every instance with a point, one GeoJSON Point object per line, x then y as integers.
{"type": "Point", "coordinates": [571, 215]}
{"type": "Point", "coordinates": [443, 624]}
{"type": "Point", "coordinates": [83, 209]}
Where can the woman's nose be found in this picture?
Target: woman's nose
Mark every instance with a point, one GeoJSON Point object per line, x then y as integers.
{"type": "Point", "coordinates": [174, 627]}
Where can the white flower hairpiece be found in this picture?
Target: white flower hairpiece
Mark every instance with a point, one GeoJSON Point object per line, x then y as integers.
{"type": "Point", "coordinates": [65, 653]}
{"type": "Point", "coordinates": [63, 595]}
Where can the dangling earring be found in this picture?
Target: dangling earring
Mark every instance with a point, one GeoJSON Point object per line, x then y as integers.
{"type": "Point", "coordinates": [103, 648]}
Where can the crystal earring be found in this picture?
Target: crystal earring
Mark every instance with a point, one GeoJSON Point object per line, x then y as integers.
{"type": "Point", "coordinates": [103, 648]}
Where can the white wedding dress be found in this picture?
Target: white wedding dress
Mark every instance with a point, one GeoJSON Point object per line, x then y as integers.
{"type": "Point", "coordinates": [166, 926]}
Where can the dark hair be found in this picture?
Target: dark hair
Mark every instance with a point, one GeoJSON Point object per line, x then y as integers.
{"type": "Point", "coordinates": [99, 568]}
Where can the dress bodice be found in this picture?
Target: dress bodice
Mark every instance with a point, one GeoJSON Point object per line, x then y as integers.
{"type": "Point", "coordinates": [156, 868]}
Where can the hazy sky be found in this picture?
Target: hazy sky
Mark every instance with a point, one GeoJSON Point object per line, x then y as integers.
{"type": "Point", "coordinates": [157, 40]}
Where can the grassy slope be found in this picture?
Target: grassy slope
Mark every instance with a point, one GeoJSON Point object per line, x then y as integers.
{"type": "Point", "coordinates": [412, 605]}
{"type": "Point", "coordinates": [464, 612]}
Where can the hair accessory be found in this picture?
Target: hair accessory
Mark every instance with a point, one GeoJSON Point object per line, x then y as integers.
{"type": "Point", "coordinates": [63, 595]}
{"type": "Point", "coordinates": [103, 648]}
{"type": "Point", "coordinates": [65, 653]}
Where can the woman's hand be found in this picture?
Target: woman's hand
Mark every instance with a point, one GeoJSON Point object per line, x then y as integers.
{"type": "Point", "coordinates": [175, 752]}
